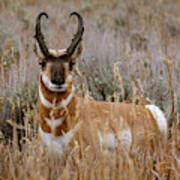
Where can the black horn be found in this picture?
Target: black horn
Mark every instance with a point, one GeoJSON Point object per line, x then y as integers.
{"type": "Point", "coordinates": [40, 37]}
{"type": "Point", "coordinates": [78, 36]}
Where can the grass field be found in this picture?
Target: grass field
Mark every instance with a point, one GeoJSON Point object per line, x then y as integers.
{"type": "Point", "coordinates": [130, 53]}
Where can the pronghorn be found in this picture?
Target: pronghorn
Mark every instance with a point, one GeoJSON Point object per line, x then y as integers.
{"type": "Point", "coordinates": [63, 115]}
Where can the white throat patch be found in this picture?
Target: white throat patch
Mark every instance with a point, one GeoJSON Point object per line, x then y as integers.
{"type": "Point", "coordinates": [62, 104]}
{"type": "Point", "coordinates": [54, 122]}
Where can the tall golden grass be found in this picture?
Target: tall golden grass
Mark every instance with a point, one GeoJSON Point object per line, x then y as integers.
{"type": "Point", "coordinates": [130, 52]}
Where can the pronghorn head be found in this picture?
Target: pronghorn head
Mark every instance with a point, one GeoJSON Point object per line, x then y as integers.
{"type": "Point", "coordinates": [56, 65]}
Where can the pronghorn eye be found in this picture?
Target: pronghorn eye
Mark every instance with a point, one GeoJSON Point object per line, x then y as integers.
{"type": "Point", "coordinates": [43, 64]}
{"type": "Point", "coordinates": [71, 64]}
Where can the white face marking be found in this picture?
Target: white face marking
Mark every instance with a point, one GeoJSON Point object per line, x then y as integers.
{"type": "Point", "coordinates": [69, 78]}
{"type": "Point", "coordinates": [58, 52]}
{"type": "Point", "coordinates": [54, 52]}
{"type": "Point", "coordinates": [64, 103]}
{"type": "Point", "coordinates": [54, 122]}
{"type": "Point", "coordinates": [53, 87]}
{"type": "Point", "coordinates": [58, 144]}
{"type": "Point", "coordinates": [159, 116]}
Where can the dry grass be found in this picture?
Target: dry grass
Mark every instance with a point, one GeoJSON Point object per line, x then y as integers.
{"type": "Point", "coordinates": [131, 52]}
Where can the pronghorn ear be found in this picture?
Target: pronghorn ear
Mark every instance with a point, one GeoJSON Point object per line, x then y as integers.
{"type": "Point", "coordinates": [76, 53]}
{"type": "Point", "coordinates": [37, 51]}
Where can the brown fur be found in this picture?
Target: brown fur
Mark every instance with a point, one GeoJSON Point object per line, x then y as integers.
{"type": "Point", "coordinates": [115, 117]}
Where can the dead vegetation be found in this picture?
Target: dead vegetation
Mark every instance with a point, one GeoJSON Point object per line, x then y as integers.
{"type": "Point", "coordinates": [130, 53]}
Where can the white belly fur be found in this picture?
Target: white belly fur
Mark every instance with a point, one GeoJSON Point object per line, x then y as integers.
{"type": "Point", "coordinates": [110, 142]}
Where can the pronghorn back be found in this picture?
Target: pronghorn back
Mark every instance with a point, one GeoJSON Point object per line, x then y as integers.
{"type": "Point", "coordinates": [117, 118]}
{"type": "Point", "coordinates": [64, 117]}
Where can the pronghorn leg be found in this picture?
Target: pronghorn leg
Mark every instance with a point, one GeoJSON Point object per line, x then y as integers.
{"type": "Point", "coordinates": [110, 142]}
{"type": "Point", "coordinates": [125, 138]}
{"type": "Point", "coordinates": [107, 140]}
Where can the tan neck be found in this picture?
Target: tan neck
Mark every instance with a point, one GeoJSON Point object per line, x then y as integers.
{"type": "Point", "coordinates": [57, 109]}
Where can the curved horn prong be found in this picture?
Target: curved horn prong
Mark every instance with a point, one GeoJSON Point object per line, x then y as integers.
{"type": "Point", "coordinates": [77, 37]}
{"type": "Point", "coordinates": [39, 36]}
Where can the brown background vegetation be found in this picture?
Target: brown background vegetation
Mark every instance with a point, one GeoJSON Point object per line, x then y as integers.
{"type": "Point", "coordinates": [130, 52]}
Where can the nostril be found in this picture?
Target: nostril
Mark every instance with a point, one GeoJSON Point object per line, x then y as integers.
{"type": "Point", "coordinates": [58, 81]}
